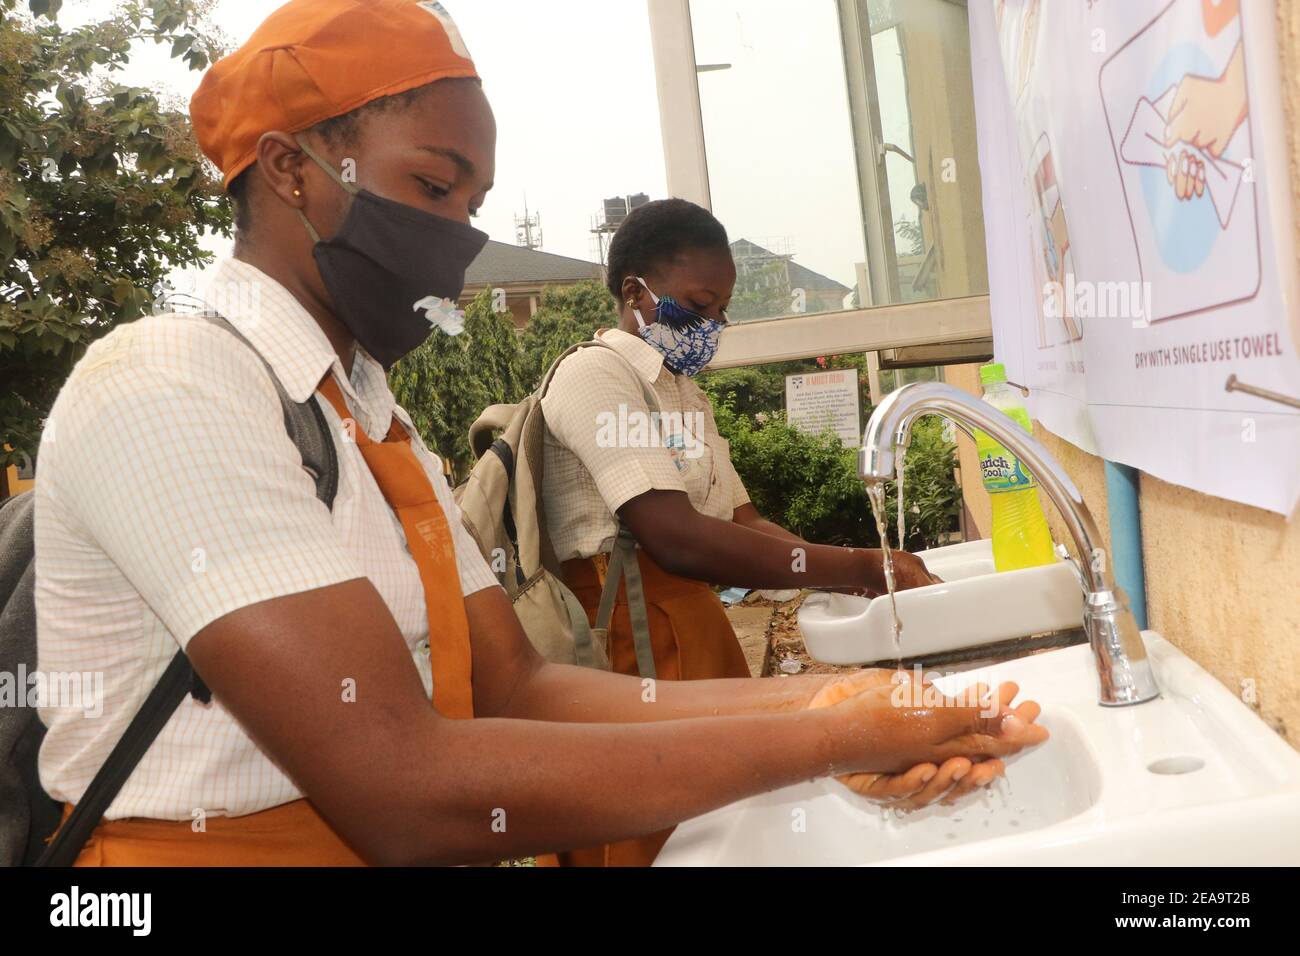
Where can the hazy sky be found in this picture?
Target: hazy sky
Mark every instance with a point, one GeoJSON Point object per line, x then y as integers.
{"type": "Point", "coordinates": [572, 84]}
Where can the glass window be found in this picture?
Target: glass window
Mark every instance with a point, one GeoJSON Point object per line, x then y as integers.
{"type": "Point", "coordinates": [779, 143]}
{"type": "Point", "coordinates": [840, 139]}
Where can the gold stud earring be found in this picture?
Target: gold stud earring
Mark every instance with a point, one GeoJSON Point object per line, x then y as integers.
{"type": "Point", "coordinates": [297, 192]}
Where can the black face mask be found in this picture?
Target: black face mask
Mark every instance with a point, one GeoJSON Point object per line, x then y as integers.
{"type": "Point", "coordinates": [394, 271]}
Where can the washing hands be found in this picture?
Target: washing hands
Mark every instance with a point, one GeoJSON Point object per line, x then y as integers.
{"type": "Point", "coordinates": [911, 572]}
{"type": "Point", "coordinates": [940, 751]}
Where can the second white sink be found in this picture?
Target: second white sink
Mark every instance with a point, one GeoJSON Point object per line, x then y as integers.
{"type": "Point", "coordinates": [975, 605]}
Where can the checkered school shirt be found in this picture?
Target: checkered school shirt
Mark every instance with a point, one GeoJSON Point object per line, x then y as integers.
{"type": "Point", "coordinates": [595, 459]}
{"type": "Point", "coordinates": [169, 495]}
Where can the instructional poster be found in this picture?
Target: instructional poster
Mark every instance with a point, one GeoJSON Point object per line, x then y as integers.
{"type": "Point", "coordinates": [817, 401]}
{"type": "Point", "coordinates": [1140, 233]}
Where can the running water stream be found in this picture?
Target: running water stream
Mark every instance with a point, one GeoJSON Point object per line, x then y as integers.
{"type": "Point", "coordinates": [876, 495]}
{"type": "Point", "coordinates": [902, 519]}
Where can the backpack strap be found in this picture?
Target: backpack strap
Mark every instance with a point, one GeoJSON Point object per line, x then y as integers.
{"type": "Point", "coordinates": [647, 392]}
{"type": "Point", "coordinates": [623, 563]}
{"type": "Point", "coordinates": [305, 422]}
{"type": "Point", "coordinates": [177, 681]}
{"type": "Point", "coordinates": [310, 432]}
{"type": "Point", "coordinates": [493, 418]}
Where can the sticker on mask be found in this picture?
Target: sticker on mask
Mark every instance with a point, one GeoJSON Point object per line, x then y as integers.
{"type": "Point", "coordinates": [448, 24]}
{"type": "Point", "coordinates": [442, 313]}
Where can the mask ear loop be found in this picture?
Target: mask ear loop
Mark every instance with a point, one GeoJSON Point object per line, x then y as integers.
{"type": "Point", "coordinates": [334, 175]}
{"type": "Point", "coordinates": [640, 322]}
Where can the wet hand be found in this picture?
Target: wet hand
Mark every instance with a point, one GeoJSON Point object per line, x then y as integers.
{"type": "Point", "coordinates": [911, 572]}
{"type": "Point", "coordinates": [938, 752]}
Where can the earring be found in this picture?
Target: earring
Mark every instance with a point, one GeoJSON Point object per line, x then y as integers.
{"type": "Point", "coordinates": [631, 303]}
{"type": "Point", "coordinates": [297, 192]}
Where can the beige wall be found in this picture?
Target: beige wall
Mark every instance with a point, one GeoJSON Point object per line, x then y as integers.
{"type": "Point", "coordinates": [1222, 583]}
{"type": "Point", "coordinates": [1223, 579]}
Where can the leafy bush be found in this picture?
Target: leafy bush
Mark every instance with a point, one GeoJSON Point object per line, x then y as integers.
{"type": "Point", "coordinates": [809, 483]}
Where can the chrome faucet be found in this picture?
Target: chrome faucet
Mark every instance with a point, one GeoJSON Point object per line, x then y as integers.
{"type": "Point", "coordinates": [1123, 671]}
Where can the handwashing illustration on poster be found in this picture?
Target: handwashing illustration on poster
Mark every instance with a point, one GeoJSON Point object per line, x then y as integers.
{"type": "Point", "coordinates": [1141, 241]}
{"type": "Point", "coordinates": [1181, 134]}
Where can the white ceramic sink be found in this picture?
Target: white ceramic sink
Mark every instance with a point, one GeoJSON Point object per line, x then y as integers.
{"type": "Point", "coordinates": [975, 605]}
{"type": "Point", "coordinates": [1191, 778]}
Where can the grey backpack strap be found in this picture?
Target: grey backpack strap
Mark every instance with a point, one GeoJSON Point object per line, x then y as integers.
{"type": "Point", "coordinates": [305, 422]}
{"type": "Point", "coordinates": [623, 565]}
{"type": "Point", "coordinates": [310, 432]}
{"type": "Point", "coordinates": [584, 639]}
{"type": "Point", "coordinates": [647, 392]}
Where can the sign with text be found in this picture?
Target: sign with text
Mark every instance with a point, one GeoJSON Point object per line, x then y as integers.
{"type": "Point", "coordinates": [817, 401]}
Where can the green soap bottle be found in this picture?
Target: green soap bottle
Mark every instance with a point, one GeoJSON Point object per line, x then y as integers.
{"type": "Point", "coordinates": [1021, 538]}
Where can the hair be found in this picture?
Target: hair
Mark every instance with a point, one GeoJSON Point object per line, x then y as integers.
{"type": "Point", "coordinates": [337, 130]}
{"type": "Point", "coordinates": [658, 232]}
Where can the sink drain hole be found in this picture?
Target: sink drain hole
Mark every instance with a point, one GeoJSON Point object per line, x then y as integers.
{"type": "Point", "coordinates": [1171, 766]}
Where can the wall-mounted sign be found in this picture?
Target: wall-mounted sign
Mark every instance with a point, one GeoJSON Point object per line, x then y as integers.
{"type": "Point", "coordinates": [1138, 217]}
{"type": "Point", "coordinates": [816, 401]}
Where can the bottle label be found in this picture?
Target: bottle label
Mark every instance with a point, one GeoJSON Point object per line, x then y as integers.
{"type": "Point", "coordinates": [1002, 472]}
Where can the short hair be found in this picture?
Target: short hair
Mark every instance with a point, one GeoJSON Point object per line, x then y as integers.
{"type": "Point", "coordinates": [656, 233]}
{"type": "Point", "coordinates": [342, 129]}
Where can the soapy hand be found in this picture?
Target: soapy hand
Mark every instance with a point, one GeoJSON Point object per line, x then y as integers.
{"type": "Point", "coordinates": [929, 753]}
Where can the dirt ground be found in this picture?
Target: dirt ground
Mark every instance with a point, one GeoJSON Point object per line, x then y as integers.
{"type": "Point", "coordinates": [769, 634]}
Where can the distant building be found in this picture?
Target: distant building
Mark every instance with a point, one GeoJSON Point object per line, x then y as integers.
{"type": "Point", "coordinates": [784, 275]}
{"type": "Point", "coordinates": [522, 274]}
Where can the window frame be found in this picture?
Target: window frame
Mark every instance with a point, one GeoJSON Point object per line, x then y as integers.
{"type": "Point", "coordinates": [875, 328]}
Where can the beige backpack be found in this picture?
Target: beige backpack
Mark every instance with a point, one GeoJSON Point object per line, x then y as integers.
{"type": "Point", "coordinates": [502, 508]}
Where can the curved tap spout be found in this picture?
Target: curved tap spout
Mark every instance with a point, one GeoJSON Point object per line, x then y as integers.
{"type": "Point", "coordinates": [1123, 672]}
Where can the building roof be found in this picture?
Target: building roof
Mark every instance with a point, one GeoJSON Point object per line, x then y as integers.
{"type": "Point", "coordinates": [801, 277]}
{"type": "Point", "coordinates": [500, 263]}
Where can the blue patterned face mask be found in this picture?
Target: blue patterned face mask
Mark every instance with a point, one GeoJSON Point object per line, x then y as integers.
{"type": "Point", "coordinates": [687, 339]}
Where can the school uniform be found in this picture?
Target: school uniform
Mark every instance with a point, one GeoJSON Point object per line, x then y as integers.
{"type": "Point", "coordinates": [602, 449]}
{"type": "Point", "coordinates": [171, 495]}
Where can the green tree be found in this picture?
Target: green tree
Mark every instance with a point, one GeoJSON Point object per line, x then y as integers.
{"type": "Point", "coordinates": [447, 382]}
{"type": "Point", "coordinates": [103, 191]}
{"type": "Point", "coordinates": [566, 315]}
{"type": "Point", "coordinates": [749, 390]}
